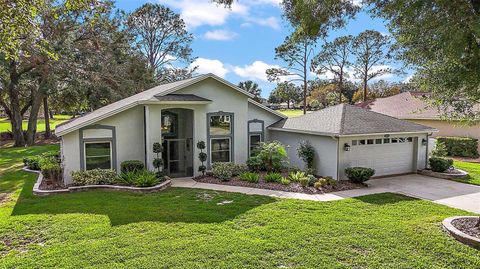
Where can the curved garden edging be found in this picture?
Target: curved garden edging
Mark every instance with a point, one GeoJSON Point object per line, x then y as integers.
{"type": "Point", "coordinates": [37, 191]}
{"type": "Point", "coordinates": [430, 173]}
{"type": "Point", "coordinates": [459, 235]}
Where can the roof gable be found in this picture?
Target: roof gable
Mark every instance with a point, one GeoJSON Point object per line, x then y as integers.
{"type": "Point", "coordinates": [148, 95]}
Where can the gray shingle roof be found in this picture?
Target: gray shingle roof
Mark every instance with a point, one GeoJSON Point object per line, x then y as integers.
{"type": "Point", "coordinates": [346, 119]}
{"type": "Point", "coordinates": [180, 97]}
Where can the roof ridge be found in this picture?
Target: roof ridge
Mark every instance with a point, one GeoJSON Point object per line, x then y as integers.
{"type": "Point", "coordinates": [342, 118]}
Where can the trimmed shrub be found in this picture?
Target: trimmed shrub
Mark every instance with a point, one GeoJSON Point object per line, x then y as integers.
{"type": "Point", "coordinates": [52, 154]}
{"type": "Point", "coordinates": [440, 149]}
{"type": "Point", "coordinates": [51, 169]}
{"type": "Point", "coordinates": [94, 177]}
{"type": "Point", "coordinates": [331, 181]}
{"type": "Point", "coordinates": [440, 164]}
{"type": "Point", "coordinates": [32, 162]}
{"type": "Point", "coordinates": [132, 166]}
{"type": "Point", "coordinates": [249, 177]}
{"type": "Point", "coordinates": [223, 170]}
{"type": "Point", "coordinates": [239, 168]}
{"type": "Point", "coordinates": [460, 146]}
{"type": "Point", "coordinates": [312, 180]}
{"type": "Point", "coordinates": [297, 176]}
{"type": "Point", "coordinates": [359, 174]}
{"type": "Point", "coordinates": [146, 179]}
{"type": "Point", "coordinates": [255, 164]}
{"type": "Point", "coordinates": [272, 177]}
{"type": "Point", "coordinates": [285, 181]}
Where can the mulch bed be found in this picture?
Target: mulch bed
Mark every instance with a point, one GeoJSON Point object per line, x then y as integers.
{"type": "Point", "coordinates": [341, 185]}
{"type": "Point", "coordinates": [49, 185]}
{"type": "Point", "coordinates": [467, 226]}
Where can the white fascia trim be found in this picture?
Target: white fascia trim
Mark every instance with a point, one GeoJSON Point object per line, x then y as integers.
{"type": "Point", "coordinates": [175, 102]}
{"type": "Point", "coordinates": [349, 135]}
{"type": "Point", "coordinates": [267, 109]}
{"type": "Point", "coordinates": [302, 132]}
{"type": "Point", "coordinates": [392, 133]}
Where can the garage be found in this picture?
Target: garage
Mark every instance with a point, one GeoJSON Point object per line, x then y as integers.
{"type": "Point", "coordinates": [388, 156]}
{"type": "Point", "coordinates": [348, 136]}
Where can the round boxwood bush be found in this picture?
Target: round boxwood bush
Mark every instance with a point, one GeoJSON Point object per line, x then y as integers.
{"type": "Point", "coordinates": [440, 164]}
{"type": "Point", "coordinates": [359, 174]}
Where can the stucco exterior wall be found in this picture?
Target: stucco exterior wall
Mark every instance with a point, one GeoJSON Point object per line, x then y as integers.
{"type": "Point", "coordinates": [129, 140]}
{"type": "Point", "coordinates": [326, 150]}
{"type": "Point", "coordinates": [446, 128]}
{"type": "Point", "coordinates": [255, 112]}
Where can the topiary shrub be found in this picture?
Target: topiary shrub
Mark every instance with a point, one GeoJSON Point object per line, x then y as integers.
{"type": "Point", "coordinates": [202, 157]}
{"type": "Point", "coordinates": [249, 177]}
{"type": "Point", "coordinates": [223, 170]}
{"type": "Point", "coordinates": [94, 177]}
{"type": "Point", "coordinates": [132, 166]}
{"type": "Point", "coordinates": [359, 174]}
{"type": "Point", "coordinates": [440, 164]}
{"type": "Point", "coordinates": [272, 177]}
{"type": "Point", "coordinates": [460, 146]}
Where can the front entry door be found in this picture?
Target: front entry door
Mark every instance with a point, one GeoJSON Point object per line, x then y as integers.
{"type": "Point", "coordinates": [176, 161]}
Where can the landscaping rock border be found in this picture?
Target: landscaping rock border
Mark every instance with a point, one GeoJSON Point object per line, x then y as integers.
{"type": "Point", "coordinates": [430, 173]}
{"type": "Point", "coordinates": [39, 192]}
{"type": "Point", "coordinates": [459, 235]}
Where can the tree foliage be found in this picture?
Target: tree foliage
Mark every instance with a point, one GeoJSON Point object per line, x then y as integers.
{"type": "Point", "coordinates": [285, 92]}
{"type": "Point", "coordinates": [251, 87]}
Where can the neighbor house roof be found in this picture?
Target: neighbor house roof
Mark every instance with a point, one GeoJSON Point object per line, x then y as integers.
{"type": "Point", "coordinates": [344, 120]}
{"type": "Point", "coordinates": [152, 94]}
{"type": "Point", "coordinates": [403, 106]}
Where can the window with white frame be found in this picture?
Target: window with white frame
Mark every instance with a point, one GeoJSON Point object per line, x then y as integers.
{"type": "Point", "coordinates": [98, 155]}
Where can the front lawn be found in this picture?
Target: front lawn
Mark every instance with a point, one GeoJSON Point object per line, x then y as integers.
{"type": "Point", "coordinates": [291, 112]}
{"type": "Point", "coordinates": [5, 124]}
{"type": "Point", "coordinates": [190, 228]}
{"type": "Point", "coordinates": [473, 170]}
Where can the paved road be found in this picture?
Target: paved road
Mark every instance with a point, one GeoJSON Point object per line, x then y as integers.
{"type": "Point", "coordinates": [441, 191]}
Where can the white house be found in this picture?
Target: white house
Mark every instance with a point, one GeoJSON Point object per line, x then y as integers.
{"type": "Point", "coordinates": [208, 108]}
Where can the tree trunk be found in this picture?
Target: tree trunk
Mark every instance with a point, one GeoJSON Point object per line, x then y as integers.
{"type": "Point", "coordinates": [16, 115]}
{"type": "Point", "coordinates": [46, 115]}
{"type": "Point", "coordinates": [365, 89]}
{"type": "Point", "coordinates": [340, 87]}
{"type": "Point", "coordinates": [32, 120]}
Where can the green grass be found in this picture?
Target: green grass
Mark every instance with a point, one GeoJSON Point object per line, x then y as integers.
{"type": "Point", "coordinates": [291, 112]}
{"type": "Point", "coordinates": [188, 228]}
{"type": "Point", "coordinates": [6, 126]}
{"type": "Point", "coordinates": [473, 170]}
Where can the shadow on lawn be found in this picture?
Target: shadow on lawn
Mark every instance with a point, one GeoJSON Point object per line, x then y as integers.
{"type": "Point", "coordinates": [172, 205]}
{"type": "Point", "coordinates": [384, 198]}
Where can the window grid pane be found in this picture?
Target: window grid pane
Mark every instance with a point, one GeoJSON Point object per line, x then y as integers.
{"type": "Point", "coordinates": [220, 149]}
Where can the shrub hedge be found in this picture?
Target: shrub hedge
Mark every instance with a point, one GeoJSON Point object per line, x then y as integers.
{"type": "Point", "coordinates": [440, 164]}
{"type": "Point", "coordinates": [359, 174]}
{"type": "Point", "coordinates": [460, 146]}
{"type": "Point", "coordinates": [132, 166]}
{"type": "Point", "coordinates": [94, 177]}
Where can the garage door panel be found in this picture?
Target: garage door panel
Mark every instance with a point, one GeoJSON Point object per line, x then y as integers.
{"type": "Point", "coordinates": [386, 159]}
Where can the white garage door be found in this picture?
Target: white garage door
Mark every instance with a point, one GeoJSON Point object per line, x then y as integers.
{"type": "Point", "coordinates": [388, 156]}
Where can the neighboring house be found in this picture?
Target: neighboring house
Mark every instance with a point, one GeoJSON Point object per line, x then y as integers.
{"type": "Point", "coordinates": [410, 106]}
{"type": "Point", "coordinates": [208, 108]}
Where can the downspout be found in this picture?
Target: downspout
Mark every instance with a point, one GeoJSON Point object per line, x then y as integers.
{"type": "Point", "coordinates": [145, 133]}
{"type": "Point", "coordinates": [426, 152]}
{"type": "Point", "coordinates": [338, 158]}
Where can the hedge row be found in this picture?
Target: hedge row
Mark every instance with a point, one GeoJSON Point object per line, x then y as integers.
{"type": "Point", "coordinates": [460, 146]}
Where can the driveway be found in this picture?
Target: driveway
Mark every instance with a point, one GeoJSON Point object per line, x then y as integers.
{"type": "Point", "coordinates": [441, 191]}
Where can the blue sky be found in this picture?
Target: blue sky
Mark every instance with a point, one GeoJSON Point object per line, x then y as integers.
{"type": "Point", "coordinates": [238, 43]}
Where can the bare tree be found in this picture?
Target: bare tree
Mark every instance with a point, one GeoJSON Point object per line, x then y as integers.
{"type": "Point", "coordinates": [334, 58]}
{"type": "Point", "coordinates": [371, 50]}
{"type": "Point", "coordinates": [297, 53]}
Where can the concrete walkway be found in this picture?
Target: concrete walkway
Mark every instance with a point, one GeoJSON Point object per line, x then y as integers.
{"type": "Point", "coordinates": [441, 191]}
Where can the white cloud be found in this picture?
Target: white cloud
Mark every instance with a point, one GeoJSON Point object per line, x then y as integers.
{"type": "Point", "coordinates": [271, 22]}
{"type": "Point", "coordinates": [210, 66]}
{"type": "Point", "coordinates": [203, 12]}
{"type": "Point", "coordinates": [221, 35]}
{"type": "Point", "coordinates": [408, 78]}
{"type": "Point", "coordinates": [256, 70]}
{"type": "Point", "coordinates": [358, 3]}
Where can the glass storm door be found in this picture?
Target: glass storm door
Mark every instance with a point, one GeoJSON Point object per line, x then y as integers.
{"type": "Point", "coordinates": [176, 157]}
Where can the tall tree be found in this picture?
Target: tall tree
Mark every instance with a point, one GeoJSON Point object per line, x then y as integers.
{"type": "Point", "coordinates": [162, 37]}
{"type": "Point", "coordinates": [442, 39]}
{"type": "Point", "coordinates": [251, 87]}
{"type": "Point", "coordinates": [297, 53]}
{"type": "Point", "coordinates": [334, 58]}
{"type": "Point", "coordinates": [371, 50]}
{"type": "Point", "coordinates": [285, 92]}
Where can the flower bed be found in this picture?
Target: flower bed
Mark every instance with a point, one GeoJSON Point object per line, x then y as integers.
{"type": "Point", "coordinates": [291, 187]}
{"type": "Point", "coordinates": [448, 174]}
{"type": "Point", "coordinates": [464, 229]}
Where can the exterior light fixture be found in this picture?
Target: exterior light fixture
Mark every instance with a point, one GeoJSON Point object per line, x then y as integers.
{"type": "Point", "coordinates": [346, 147]}
{"type": "Point", "coordinates": [424, 142]}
